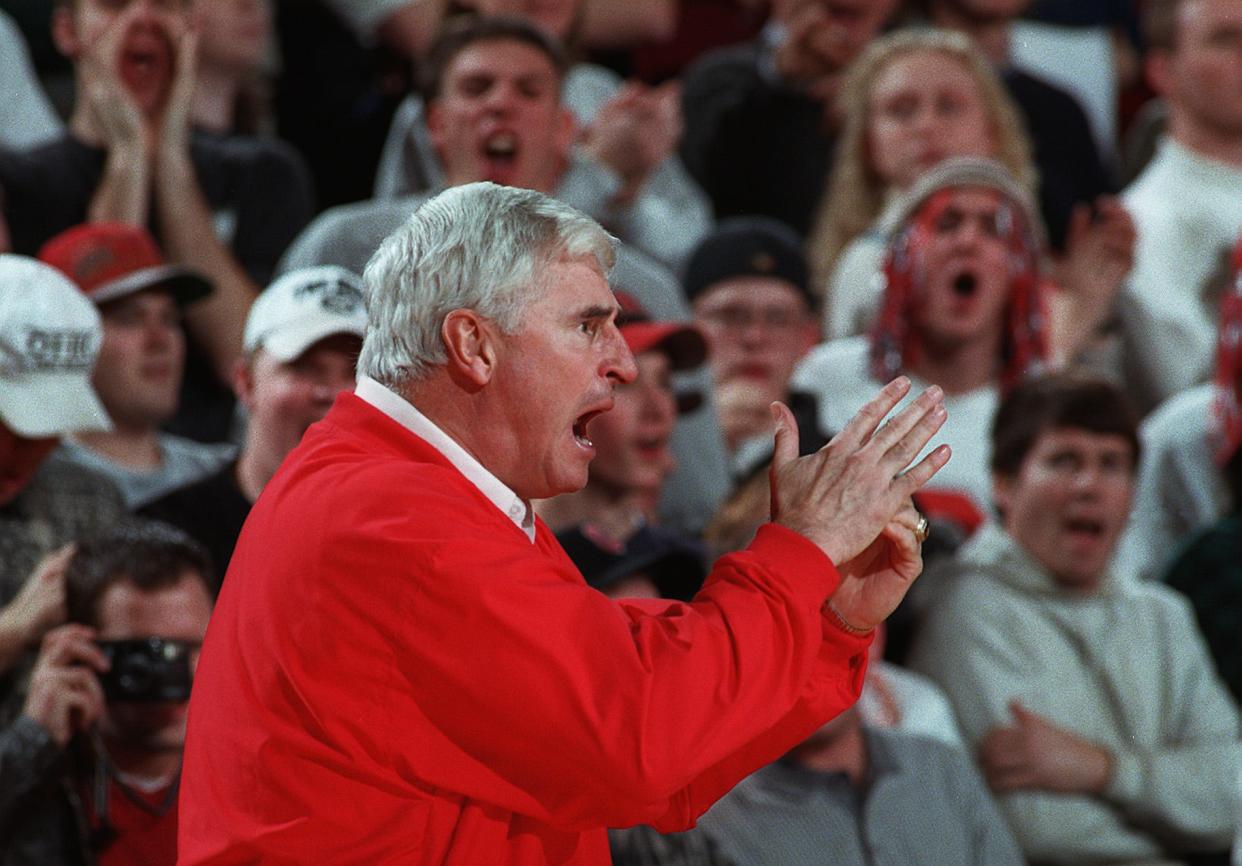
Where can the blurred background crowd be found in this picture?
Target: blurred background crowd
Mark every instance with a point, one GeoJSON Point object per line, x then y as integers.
{"type": "Point", "coordinates": [1034, 204]}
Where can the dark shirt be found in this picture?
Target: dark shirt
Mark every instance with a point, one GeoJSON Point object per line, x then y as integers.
{"type": "Point", "coordinates": [260, 196]}
{"type": "Point", "coordinates": [211, 511]}
{"type": "Point", "coordinates": [1209, 572]}
{"type": "Point", "coordinates": [1070, 170]}
{"type": "Point", "coordinates": [257, 186]}
{"type": "Point", "coordinates": [755, 144]}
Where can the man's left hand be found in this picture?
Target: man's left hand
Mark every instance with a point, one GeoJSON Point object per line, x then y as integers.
{"type": "Point", "coordinates": [874, 582]}
{"type": "Point", "coordinates": [1034, 754]}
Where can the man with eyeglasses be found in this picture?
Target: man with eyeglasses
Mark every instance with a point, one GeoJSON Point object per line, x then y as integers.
{"type": "Point", "coordinates": [748, 289]}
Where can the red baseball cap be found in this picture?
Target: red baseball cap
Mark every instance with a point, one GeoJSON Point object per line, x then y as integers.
{"type": "Point", "coordinates": [110, 260]}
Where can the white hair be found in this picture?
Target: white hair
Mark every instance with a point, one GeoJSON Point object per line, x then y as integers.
{"type": "Point", "coordinates": [478, 246]}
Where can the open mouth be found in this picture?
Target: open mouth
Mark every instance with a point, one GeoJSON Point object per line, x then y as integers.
{"type": "Point", "coordinates": [1085, 528]}
{"type": "Point", "coordinates": [501, 147]}
{"type": "Point", "coordinates": [144, 64]}
{"type": "Point", "coordinates": [965, 284]}
{"type": "Point", "coordinates": [580, 428]}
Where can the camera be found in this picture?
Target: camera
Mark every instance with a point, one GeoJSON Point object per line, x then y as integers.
{"type": "Point", "coordinates": [147, 669]}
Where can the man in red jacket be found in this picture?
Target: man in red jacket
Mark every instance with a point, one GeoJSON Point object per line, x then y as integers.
{"type": "Point", "coordinates": [404, 666]}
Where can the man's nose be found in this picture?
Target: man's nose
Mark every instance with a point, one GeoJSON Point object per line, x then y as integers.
{"type": "Point", "coordinates": [501, 97]}
{"type": "Point", "coordinates": [619, 363]}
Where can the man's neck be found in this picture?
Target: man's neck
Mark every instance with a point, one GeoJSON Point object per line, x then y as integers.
{"type": "Point", "coordinates": [143, 765]}
{"type": "Point", "coordinates": [255, 468]}
{"type": "Point", "coordinates": [616, 513]}
{"type": "Point", "coordinates": [1219, 146]}
{"type": "Point", "coordinates": [992, 36]}
{"type": "Point", "coordinates": [958, 368]}
{"type": "Point", "coordinates": [136, 448]}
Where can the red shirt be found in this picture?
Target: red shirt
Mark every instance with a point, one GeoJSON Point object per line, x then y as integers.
{"type": "Point", "coordinates": [395, 674]}
{"type": "Point", "coordinates": [142, 839]}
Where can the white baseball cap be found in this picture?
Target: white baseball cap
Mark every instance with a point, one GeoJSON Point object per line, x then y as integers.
{"type": "Point", "coordinates": [303, 307]}
{"type": "Point", "coordinates": [50, 336]}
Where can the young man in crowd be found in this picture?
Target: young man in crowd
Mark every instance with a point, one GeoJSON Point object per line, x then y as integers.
{"type": "Point", "coordinates": [89, 770]}
{"type": "Point", "coordinates": [141, 362]}
{"type": "Point", "coordinates": [1185, 203]}
{"type": "Point", "coordinates": [965, 307]}
{"type": "Point", "coordinates": [225, 206]}
{"type": "Point", "coordinates": [748, 290]}
{"type": "Point", "coordinates": [495, 111]}
{"type": "Point", "coordinates": [50, 335]}
{"type": "Point", "coordinates": [1095, 707]}
{"type": "Point", "coordinates": [301, 343]}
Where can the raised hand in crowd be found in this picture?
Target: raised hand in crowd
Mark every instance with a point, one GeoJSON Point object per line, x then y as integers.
{"type": "Point", "coordinates": [1099, 252]}
{"type": "Point", "coordinates": [1034, 754]}
{"type": "Point", "coordinates": [65, 695]}
{"type": "Point", "coordinates": [852, 497]}
{"type": "Point", "coordinates": [146, 132]}
{"type": "Point", "coordinates": [816, 51]}
{"type": "Point", "coordinates": [124, 131]}
{"type": "Point", "coordinates": [634, 131]}
{"type": "Point", "coordinates": [38, 606]}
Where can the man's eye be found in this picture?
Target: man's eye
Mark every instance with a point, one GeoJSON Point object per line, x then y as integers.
{"type": "Point", "coordinates": [1063, 462]}
{"type": "Point", "coordinates": [901, 109]}
{"type": "Point", "coordinates": [949, 221]}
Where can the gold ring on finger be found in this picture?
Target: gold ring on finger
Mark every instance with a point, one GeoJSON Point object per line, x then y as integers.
{"type": "Point", "coordinates": [922, 529]}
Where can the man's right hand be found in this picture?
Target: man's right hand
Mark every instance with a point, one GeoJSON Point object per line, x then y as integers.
{"type": "Point", "coordinates": [845, 494]}
{"type": "Point", "coordinates": [118, 118]}
{"type": "Point", "coordinates": [65, 695]}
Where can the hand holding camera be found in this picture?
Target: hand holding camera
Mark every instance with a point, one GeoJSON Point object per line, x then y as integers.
{"type": "Point", "coordinates": [65, 695]}
{"type": "Point", "coordinates": [76, 675]}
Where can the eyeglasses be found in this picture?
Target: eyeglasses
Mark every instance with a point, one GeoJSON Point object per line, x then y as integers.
{"type": "Point", "coordinates": [739, 318]}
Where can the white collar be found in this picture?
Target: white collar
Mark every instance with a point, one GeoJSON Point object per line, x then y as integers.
{"type": "Point", "coordinates": [404, 413]}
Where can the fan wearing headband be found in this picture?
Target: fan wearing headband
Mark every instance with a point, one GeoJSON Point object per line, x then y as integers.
{"type": "Point", "coordinates": [964, 307]}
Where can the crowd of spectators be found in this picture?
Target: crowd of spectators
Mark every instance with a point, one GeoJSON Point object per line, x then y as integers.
{"type": "Point", "coordinates": [810, 198]}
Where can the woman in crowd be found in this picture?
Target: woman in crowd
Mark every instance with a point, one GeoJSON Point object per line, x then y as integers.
{"type": "Point", "coordinates": [914, 98]}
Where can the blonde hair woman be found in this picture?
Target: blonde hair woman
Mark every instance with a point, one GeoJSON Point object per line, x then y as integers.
{"type": "Point", "coordinates": [912, 99]}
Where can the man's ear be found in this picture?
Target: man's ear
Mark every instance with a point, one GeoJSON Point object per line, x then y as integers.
{"type": "Point", "coordinates": [435, 124]}
{"type": "Point", "coordinates": [1002, 494]}
{"type": "Point", "coordinates": [65, 31]}
{"type": "Point", "coordinates": [566, 132]}
{"type": "Point", "coordinates": [470, 342]}
{"type": "Point", "coordinates": [243, 382]}
{"type": "Point", "coordinates": [808, 335]}
{"type": "Point", "coordinates": [1156, 68]}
